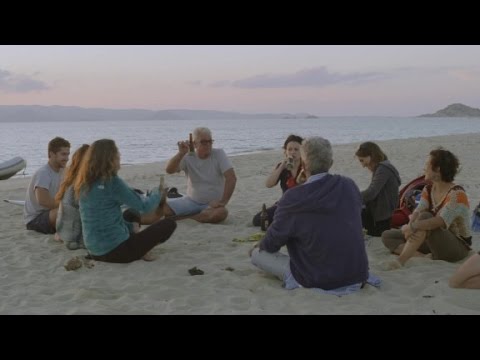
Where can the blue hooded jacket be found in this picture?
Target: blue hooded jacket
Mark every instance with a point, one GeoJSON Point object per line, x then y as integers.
{"type": "Point", "coordinates": [321, 225]}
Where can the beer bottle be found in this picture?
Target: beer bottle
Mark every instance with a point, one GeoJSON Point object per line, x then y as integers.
{"type": "Point", "coordinates": [162, 184]}
{"type": "Point", "coordinates": [264, 218]}
{"type": "Point", "coordinates": [190, 144]}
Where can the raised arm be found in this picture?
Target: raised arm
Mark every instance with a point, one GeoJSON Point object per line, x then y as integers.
{"type": "Point", "coordinates": [272, 180]}
{"type": "Point", "coordinates": [173, 164]}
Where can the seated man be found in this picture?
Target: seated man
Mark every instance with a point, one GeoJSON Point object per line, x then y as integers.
{"type": "Point", "coordinates": [320, 223]}
{"type": "Point", "coordinates": [40, 210]}
{"type": "Point", "coordinates": [211, 181]}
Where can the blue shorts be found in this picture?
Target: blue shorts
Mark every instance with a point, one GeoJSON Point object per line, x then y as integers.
{"type": "Point", "coordinates": [184, 206]}
{"type": "Point", "coordinates": [42, 223]}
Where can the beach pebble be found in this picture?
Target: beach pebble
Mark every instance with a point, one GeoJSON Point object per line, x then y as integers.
{"type": "Point", "coordinates": [73, 264]}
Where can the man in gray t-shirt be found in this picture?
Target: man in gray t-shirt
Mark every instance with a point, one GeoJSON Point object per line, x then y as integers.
{"type": "Point", "coordinates": [40, 210]}
{"type": "Point", "coordinates": [211, 181]}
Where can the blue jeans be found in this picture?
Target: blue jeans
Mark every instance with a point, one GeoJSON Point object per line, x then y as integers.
{"type": "Point", "coordinates": [277, 264]}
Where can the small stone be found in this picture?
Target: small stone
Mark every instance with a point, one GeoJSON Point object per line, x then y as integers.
{"type": "Point", "coordinates": [73, 264]}
{"type": "Point", "coordinates": [194, 271]}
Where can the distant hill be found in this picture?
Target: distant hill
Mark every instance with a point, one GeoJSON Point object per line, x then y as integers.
{"type": "Point", "coordinates": [37, 113]}
{"type": "Point", "coordinates": [455, 110]}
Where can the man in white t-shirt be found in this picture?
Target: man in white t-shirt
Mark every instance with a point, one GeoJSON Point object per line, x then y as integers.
{"type": "Point", "coordinates": [211, 181]}
{"type": "Point", "coordinates": [40, 210]}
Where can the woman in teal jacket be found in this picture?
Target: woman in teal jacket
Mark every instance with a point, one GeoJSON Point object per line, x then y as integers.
{"type": "Point", "coordinates": [101, 193]}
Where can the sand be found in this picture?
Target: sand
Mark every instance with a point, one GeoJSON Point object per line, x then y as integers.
{"type": "Point", "coordinates": [33, 279]}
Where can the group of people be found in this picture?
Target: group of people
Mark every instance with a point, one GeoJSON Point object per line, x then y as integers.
{"type": "Point", "coordinates": [319, 236]}
{"type": "Point", "coordinates": [320, 217]}
{"type": "Point", "coordinates": [83, 205]}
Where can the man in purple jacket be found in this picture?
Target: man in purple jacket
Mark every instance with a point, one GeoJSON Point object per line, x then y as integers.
{"type": "Point", "coordinates": [320, 223]}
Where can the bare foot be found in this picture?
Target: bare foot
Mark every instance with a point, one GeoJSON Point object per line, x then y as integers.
{"type": "Point", "coordinates": [390, 265]}
{"type": "Point", "coordinates": [57, 237]}
{"type": "Point", "coordinates": [136, 227]}
{"type": "Point", "coordinates": [149, 257]}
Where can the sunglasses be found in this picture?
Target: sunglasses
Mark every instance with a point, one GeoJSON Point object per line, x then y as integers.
{"type": "Point", "coordinates": [206, 142]}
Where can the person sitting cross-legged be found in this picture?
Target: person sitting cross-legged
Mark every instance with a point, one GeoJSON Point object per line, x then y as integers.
{"type": "Point", "coordinates": [101, 194]}
{"type": "Point", "coordinates": [321, 225]}
{"type": "Point", "coordinates": [211, 181]}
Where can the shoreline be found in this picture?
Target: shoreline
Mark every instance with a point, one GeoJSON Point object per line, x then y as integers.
{"type": "Point", "coordinates": [34, 280]}
{"type": "Point", "coordinates": [254, 152]}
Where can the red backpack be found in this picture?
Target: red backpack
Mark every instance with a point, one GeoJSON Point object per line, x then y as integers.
{"type": "Point", "coordinates": [407, 201]}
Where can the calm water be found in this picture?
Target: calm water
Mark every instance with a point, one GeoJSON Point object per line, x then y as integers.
{"type": "Point", "coordinates": [150, 141]}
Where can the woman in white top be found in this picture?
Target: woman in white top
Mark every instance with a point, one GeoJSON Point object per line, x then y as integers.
{"type": "Point", "coordinates": [69, 224]}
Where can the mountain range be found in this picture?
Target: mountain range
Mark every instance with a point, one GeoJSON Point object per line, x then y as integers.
{"type": "Point", "coordinates": [37, 113]}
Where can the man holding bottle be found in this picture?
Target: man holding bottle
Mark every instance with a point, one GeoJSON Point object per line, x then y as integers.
{"type": "Point", "coordinates": [211, 181]}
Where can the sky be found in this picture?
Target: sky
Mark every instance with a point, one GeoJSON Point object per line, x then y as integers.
{"type": "Point", "coordinates": [323, 80]}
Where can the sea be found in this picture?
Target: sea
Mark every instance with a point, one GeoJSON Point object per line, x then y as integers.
{"type": "Point", "coordinates": [149, 141]}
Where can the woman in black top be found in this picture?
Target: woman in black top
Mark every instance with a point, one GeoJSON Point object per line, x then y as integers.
{"type": "Point", "coordinates": [286, 172]}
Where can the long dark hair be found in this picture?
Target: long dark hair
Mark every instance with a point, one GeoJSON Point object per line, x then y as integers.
{"type": "Point", "coordinates": [291, 138]}
{"type": "Point", "coordinates": [373, 150]}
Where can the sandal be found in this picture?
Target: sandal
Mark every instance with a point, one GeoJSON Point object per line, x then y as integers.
{"type": "Point", "coordinates": [172, 193]}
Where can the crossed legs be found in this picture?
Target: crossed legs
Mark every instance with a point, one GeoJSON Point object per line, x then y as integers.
{"type": "Point", "coordinates": [209, 215]}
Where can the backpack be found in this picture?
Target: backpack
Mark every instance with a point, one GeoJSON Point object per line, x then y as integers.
{"type": "Point", "coordinates": [476, 219]}
{"type": "Point", "coordinates": [407, 201]}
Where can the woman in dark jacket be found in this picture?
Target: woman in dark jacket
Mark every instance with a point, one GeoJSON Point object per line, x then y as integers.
{"type": "Point", "coordinates": [381, 197]}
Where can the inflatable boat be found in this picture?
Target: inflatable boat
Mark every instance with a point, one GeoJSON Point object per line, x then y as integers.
{"type": "Point", "coordinates": [11, 167]}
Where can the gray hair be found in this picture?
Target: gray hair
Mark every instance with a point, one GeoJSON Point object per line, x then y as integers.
{"type": "Point", "coordinates": [317, 154]}
{"type": "Point", "coordinates": [201, 130]}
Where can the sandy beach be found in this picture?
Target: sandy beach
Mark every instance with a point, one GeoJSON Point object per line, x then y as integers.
{"type": "Point", "coordinates": [33, 279]}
